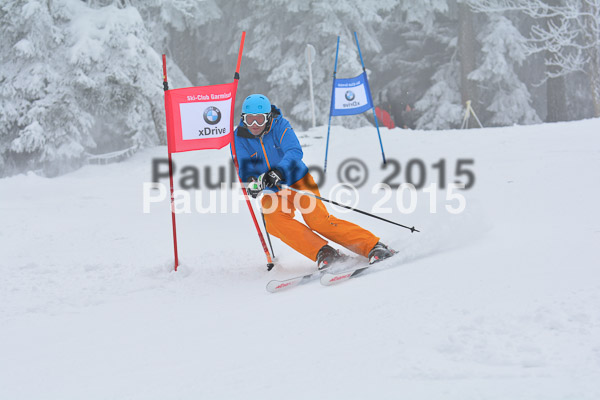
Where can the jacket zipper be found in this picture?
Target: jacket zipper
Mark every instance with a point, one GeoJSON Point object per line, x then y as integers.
{"type": "Point", "coordinates": [265, 153]}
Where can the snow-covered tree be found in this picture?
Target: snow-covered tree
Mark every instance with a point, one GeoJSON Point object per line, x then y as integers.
{"type": "Point", "coordinates": [440, 107]}
{"type": "Point", "coordinates": [77, 78]}
{"type": "Point", "coordinates": [416, 38]}
{"type": "Point", "coordinates": [41, 122]}
{"type": "Point", "coordinates": [467, 53]}
{"type": "Point", "coordinates": [491, 78]}
{"type": "Point", "coordinates": [503, 48]}
{"type": "Point", "coordinates": [275, 51]}
{"type": "Point", "coordinates": [568, 32]}
{"type": "Point", "coordinates": [178, 28]}
{"type": "Point", "coordinates": [590, 22]}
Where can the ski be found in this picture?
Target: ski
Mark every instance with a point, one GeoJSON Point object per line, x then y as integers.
{"type": "Point", "coordinates": [275, 285]}
{"type": "Point", "coordinates": [327, 276]}
{"type": "Point", "coordinates": [331, 278]}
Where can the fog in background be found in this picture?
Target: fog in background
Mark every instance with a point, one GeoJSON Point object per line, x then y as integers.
{"type": "Point", "coordinates": [84, 78]}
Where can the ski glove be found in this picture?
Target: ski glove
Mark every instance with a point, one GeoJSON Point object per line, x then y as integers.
{"type": "Point", "coordinates": [253, 188]}
{"type": "Point", "coordinates": [270, 179]}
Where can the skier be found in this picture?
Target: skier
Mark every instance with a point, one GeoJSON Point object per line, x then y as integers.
{"type": "Point", "coordinates": [269, 154]}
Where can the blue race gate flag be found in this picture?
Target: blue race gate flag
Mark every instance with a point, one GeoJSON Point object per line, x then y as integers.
{"type": "Point", "coordinates": [351, 96]}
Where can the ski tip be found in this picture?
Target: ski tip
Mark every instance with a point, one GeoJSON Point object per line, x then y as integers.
{"type": "Point", "coordinates": [277, 286]}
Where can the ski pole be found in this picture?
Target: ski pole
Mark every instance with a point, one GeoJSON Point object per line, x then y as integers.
{"type": "Point", "coordinates": [412, 229]}
{"type": "Point", "coordinates": [268, 239]}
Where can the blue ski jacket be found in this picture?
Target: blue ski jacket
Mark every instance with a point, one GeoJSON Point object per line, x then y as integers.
{"type": "Point", "coordinates": [278, 148]}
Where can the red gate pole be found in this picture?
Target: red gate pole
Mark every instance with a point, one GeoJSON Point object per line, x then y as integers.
{"type": "Point", "coordinates": [166, 87]}
{"type": "Point", "coordinates": [236, 77]}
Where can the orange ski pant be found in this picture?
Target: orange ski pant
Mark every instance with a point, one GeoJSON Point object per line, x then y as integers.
{"type": "Point", "coordinates": [279, 211]}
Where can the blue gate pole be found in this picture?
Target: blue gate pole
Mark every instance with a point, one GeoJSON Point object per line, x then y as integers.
{"type": "Point", "coordinates": [332, 102]}
{"type": "Point", "coordinates": [371, 96]}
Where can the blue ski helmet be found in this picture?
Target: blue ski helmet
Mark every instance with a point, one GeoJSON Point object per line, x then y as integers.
{"type": "Point", "coordinates": [256, 104]}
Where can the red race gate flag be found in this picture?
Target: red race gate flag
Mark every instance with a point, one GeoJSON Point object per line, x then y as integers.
{"type": "Point", "coordinates": [200, 118]}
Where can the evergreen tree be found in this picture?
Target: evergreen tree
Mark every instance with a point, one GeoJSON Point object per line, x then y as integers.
{"type": "Point", "coordinates": [503, 48]}
{"type": "Point", "coordinates": [467, 53]}
{"type": "Point", "coordinates": [81, 77]}
{"type": "Point", "coordinates": [275, 51]}
{"type": "Point", "coordinates": [441, 105]}
{"type": "Point", "coordinates": [416, 39]}
{"type": "Point", "coordinates": [78, 78]}
{"type": "Point", "coordinates": [178, 28]}
{"type": "Point", "coordinates": [491, 79]}
{"type": "Point", "coordinates": [41, 122]}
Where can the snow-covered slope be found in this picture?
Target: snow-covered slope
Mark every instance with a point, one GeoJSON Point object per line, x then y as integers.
{"type": "Point", "coordinates": [500, 301]}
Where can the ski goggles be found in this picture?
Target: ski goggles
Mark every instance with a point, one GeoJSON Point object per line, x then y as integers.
{"type": "Point", "coordinates": [255, 119]}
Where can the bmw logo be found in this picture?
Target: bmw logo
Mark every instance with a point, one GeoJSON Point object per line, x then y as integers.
{"type": "Point", "coordinates": [349, 95]}
{"type": "Point", "coordinates": [212, 115]}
